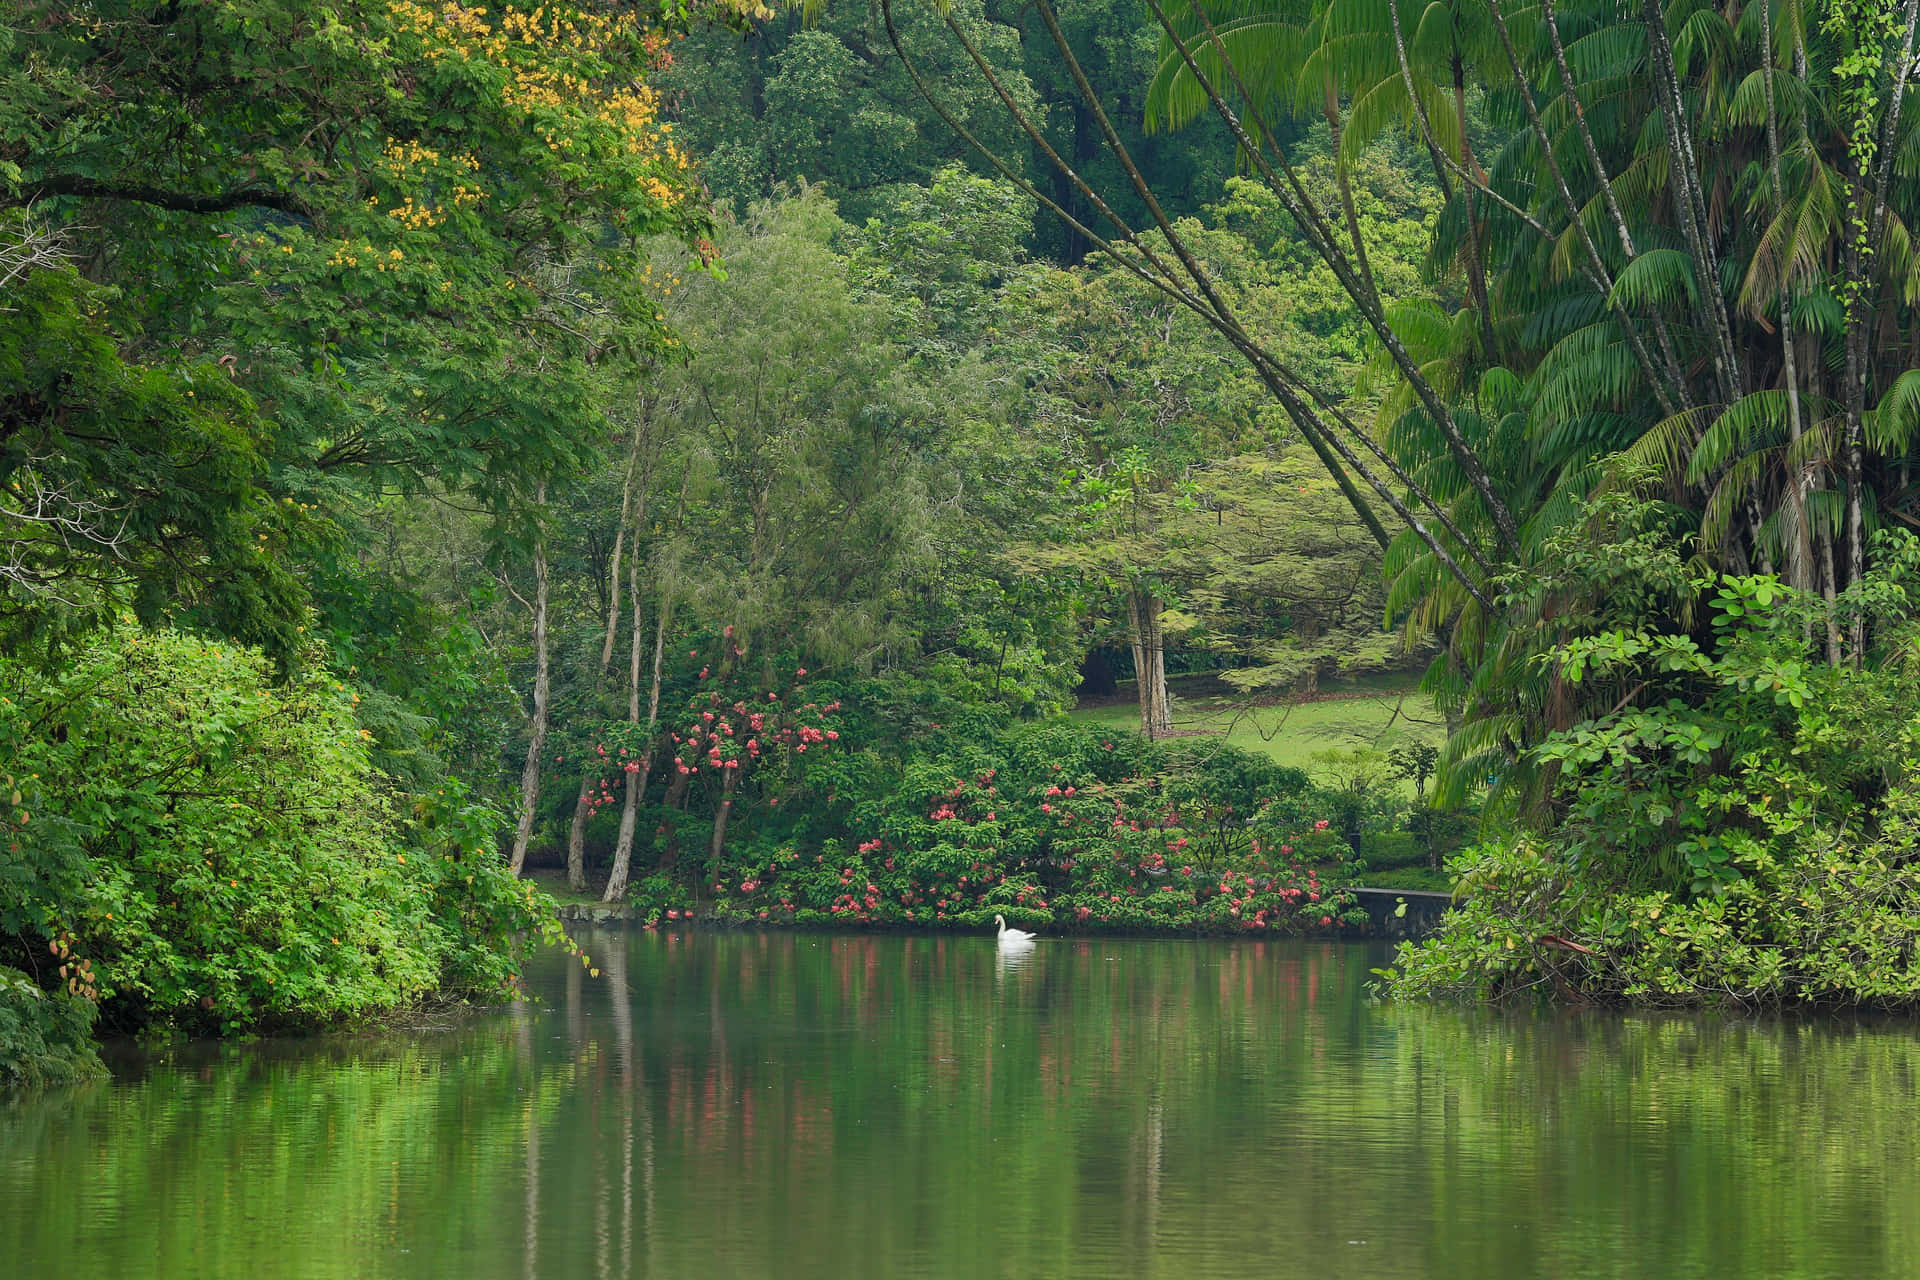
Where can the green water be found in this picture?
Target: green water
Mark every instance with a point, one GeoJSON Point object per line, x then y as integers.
{"type": "Point", "coordinates": [812, 1106]}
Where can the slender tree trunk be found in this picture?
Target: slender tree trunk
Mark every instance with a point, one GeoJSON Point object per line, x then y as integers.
{"type": "Point", "coordinates": [1162, 701]}
{"type": "Point", "coordinates": [1861, 318]}
{"type": "Point", "coordinates": [728, 778]}
{"type": "Point", "coordinates": [637, 780]}
{"type": "Point", "coordinates": [1331, 110]}
{"type": "Point", "coordinates": [582, 802]}
{"type": "Point", "coordinates": [1797, 545]}
{"type": "Point", "coordinates": [537, 741]}
{"type": "Point", "coordinates": [1830, 592]}
{"type": "Point", "coordinates": [635, 771]}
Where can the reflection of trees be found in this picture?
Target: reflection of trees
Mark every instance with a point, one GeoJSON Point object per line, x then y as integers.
{"type": "Point", "coordinates": [791, 1105]}
{"type": "Point", "coordinates": [306, 1160]}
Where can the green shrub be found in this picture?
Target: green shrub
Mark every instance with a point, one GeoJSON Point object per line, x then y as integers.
{"type": "Point", "coordinates": [1826, 924]}
{"type": "Point", "coordinates": [45, 1037]}
{"type": "Point", "coordinates": [241, 863]}
{"type": "Point", "coordinates": [1740, 830]}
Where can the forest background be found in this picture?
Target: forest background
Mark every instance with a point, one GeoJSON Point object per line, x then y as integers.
{"type": "Point", "coordinates": [707, 450]}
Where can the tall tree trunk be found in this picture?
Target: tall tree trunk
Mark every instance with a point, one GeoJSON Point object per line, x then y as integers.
{"type": "Point", "coordinates": [582, 800]}
{"type": "Point", "coordinates": [1797, 545]}
{"type": "Point", "coordinates": [1162, 701]}
{"type": "Point", "coordinates": [637, 779]}
{"type": "Point", "coordinates": [1149, 664]}
{"type": "Point", "coordinates": [537, 741]}
{"type": "Point", "coordinates": [1142, 667]}
{"type": "Point", "coordinates": [1330, 108]}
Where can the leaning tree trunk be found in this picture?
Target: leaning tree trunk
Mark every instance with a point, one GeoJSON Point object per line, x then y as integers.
{"type": "Point", "coordinates": [537, 742]}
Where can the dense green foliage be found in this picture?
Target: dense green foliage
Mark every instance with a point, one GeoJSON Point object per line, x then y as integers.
{"type": "Point", "coordinates": [229, 859]}
{"type": "Point", "coordinates": [269, 270]}
{"type": "Point", "coordinates": [1785, 874]}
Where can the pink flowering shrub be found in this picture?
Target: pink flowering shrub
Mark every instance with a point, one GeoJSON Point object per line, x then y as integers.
{"type": "Point", "coordinates": [1061, 829]}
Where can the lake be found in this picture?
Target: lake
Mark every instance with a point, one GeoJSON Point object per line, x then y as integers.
{"type": "Point", "coordinates": [804, 1105]}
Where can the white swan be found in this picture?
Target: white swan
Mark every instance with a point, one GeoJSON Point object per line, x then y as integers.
{"type": "Point", "coordinates": [1012, 937]}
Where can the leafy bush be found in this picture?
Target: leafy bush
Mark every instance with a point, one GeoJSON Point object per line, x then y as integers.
{"type": "Point", "coordinates": [239, 863]}
{"type": "Point", "coordinates": [1814, 923]}
{"type": "Point", "coordinates": [45, 1037]}
{"type": "Point", "coordinates": [1742, 830]}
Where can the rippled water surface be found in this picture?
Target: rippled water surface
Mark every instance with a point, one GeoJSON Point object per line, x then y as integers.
{"type": "Point", "coordinates": [809, 1106]}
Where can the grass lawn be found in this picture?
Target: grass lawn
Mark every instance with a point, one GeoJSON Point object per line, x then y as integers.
{"type": "Point", "coordinates": [1373, 711]}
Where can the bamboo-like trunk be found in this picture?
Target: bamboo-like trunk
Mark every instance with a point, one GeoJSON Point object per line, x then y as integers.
{"type": "Point", "coordinates": [1691, 209]}
{"type": "Point", "coordinates": [537, 741]}
{"type": "Point", "coordinates": [1351, 212]}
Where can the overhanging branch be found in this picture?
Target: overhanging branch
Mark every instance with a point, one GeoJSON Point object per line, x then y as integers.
{"type": "Point", "coordinates": [85, 188]}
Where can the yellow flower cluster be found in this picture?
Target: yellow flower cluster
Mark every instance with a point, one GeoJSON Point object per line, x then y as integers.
{"type": "Point", "coordinates": [416, 217]}
{"type": "Point", "coordinates": [555, 71]}
{"type": "Point", "coordinates": [470, 32]}
{"type": "Point", "coordinates": [349, 255]}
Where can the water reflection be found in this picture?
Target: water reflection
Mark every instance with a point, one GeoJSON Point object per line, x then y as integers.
{"type": "Point", "coordinates": [801, 1106]}
{"type": "Point", "coordinates": [1009, 956]}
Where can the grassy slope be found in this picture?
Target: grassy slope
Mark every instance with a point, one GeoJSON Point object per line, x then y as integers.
{"type": "Point", "coordinates": [1370, 712]}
